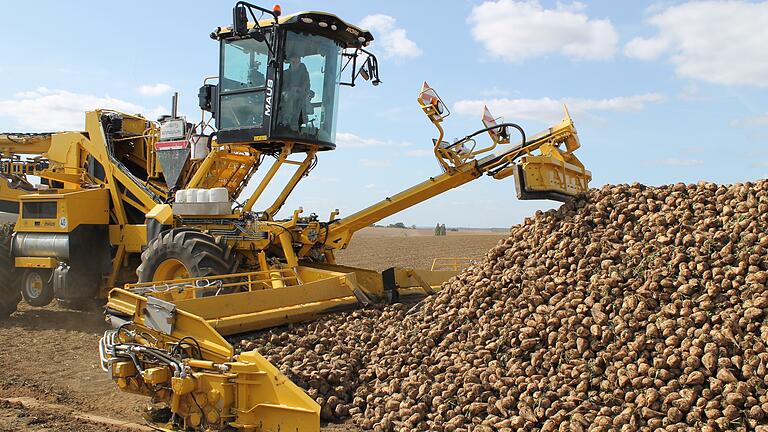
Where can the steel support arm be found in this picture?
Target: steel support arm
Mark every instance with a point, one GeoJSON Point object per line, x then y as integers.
{"type": "Point", "coordinates": [341, 232]}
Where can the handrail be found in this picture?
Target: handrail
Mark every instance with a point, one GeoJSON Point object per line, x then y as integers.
{"type": "Point", "coordinates": [252, 281]}
{"type": "Point", "coordinates": [454, 264]}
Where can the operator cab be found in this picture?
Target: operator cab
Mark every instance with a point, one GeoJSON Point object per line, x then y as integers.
{"type": "Point", "coordinates": [279, 78]}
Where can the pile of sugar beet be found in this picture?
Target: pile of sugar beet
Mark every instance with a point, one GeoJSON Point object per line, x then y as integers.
{"type": "Point", "coordinates": [628, 308]}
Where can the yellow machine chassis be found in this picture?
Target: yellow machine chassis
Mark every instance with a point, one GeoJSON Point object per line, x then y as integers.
{"type": "Point", "coordinates": [217, 389]}
{"type": "Point", "coordinates": [295, 288]}
{"type": "Point", "coordinates": [114, 178]}
{"type": "Point", "coordinates": [243, 302]}
{"type": "Point", "coordinates": [243, 391]}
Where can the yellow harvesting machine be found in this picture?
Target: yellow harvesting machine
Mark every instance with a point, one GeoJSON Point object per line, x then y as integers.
{"type": "Point", "coordinates": [160, 209]}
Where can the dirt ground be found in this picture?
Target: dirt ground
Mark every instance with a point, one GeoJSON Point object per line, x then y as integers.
{"type": "Point", "coordinates": [381, 248]}
{"type": "Point", "coordinates": [51, 355]}
{"type": "Point", "coordinates": [50, 378]}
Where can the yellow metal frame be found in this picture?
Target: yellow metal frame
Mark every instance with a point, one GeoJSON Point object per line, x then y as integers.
{"type": "Point", "coordinates": [256, 300]}
{"type": "Point", "coordinates": [545, 167]}
{"type": "Point", "coordinates": [244, 391]}
{"type": "Point", "coordinates": [452, 264]}
{"type": "Point", "coordinates": [551, 170]}
{"type": "Point", "coordinates": [290, 285]}
{"type": "Point", "coordinates": [219, 389]}
{"type": "Point", "coordinates": [73, 208]}
{"type": "Point", "coordinates": [184, 288]}
{"type": "Point", "coordinates": [35, 262]}
{"type": "Point", "coordinates": [24, 143]}
{"type": "Point", "coordinates": [409, 282]}
{"type": "Point", "coordinates": [296, 277]}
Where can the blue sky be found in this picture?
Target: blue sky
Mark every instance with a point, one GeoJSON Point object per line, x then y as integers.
{"type": "Point", "coordinates": [661, 92]}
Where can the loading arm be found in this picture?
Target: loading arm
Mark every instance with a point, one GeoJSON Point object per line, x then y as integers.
{"type": "Point", "coordinates": [24, 143]}
{"type": "Point", "coordinates": [543, 165]}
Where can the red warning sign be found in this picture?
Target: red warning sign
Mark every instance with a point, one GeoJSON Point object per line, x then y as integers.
{"type": "Point", "coordinates": [490, 121]}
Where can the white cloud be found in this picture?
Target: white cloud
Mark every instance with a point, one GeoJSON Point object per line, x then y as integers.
{"type": "Point", "coordinates": [52, 110]}
{"type": "Point", "coordinates": [419, 152]}
{"type": "Point", "coordinates": [349, 140]}
{"type": "Point", "coordinates": [758, 120]}
{"type": "Point", "coordinates": [154, 89]}
{"type": "Point", "coordinates": [390, 40]}
{"type": "Point", "coordinates": [551, 110]}
{"type": "Point", "coordinates": [646, 49]}
{"type": "Point", "coordinates": [721, 42]}
{"type": "Point", "coordinates": [681, 162]}
{"type": "Point", "coordinates": [375, 163]}
{"type": "Point", "coordinates": [691, 93]}
{"type": "Point", "coordinates": [516, 30]}
{"type": "Point", "coordinates": [370, 186]}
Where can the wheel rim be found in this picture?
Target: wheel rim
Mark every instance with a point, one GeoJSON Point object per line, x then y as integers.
{"type": "Point", "coordinates": [171, 269]}
{"type": "Point", "coordinates": [34, 284]}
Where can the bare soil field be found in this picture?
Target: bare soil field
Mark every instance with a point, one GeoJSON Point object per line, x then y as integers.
{"type": "Point", "coordinates": [50, 355]}
{"type": "Point", "coordinates": [50, 378]}
{"type": "Point", "coordinates": [377, 231]}
{"type": "Point", "coordinates": [379, 252]}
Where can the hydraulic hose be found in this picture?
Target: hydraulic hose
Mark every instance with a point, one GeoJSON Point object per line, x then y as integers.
{"type": "Point", "coordinates": [498, 126]}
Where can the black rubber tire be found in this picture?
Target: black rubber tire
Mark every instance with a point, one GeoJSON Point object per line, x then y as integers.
{"type": "Point", "coordinates": [45, 296]}
{"type": "Point", "coordinates": [200, 253]}
{"type": "Point", "coordinates": [9, 291]}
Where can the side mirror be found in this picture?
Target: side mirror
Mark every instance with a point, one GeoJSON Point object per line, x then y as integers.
{"type": "Point", "coordinates": [373, 70]}
{"type": "Point", "coordinates": [207, 98]}
{"type": "Point", "coordinates": [239, 21]}
{"type": "Point", "coordinates": [368, 70]}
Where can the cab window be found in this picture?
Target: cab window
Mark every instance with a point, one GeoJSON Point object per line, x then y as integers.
{"type": "Point", "coordinates": [245, 64]}
{"type": "Point", "coordinates": [243, 82]}
{"type": "Point", "coordinates": [309, 88]}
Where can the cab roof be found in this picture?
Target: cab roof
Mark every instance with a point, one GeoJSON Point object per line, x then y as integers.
{"type": "Point", "coordinates": [322, 23]}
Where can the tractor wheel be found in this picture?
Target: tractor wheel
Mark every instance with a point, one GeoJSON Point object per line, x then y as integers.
{"type": "Point", "coordinates": [9, 291]}
{"type": "Point", "coordinates": [181, 253]}
{"type": "Point", "coordinates": [36, 286]}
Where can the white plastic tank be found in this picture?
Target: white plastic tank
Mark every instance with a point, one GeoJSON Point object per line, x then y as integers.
{"type": "Point", "coordinates": [219, 194]}
{"type": "Point", "coordinates": [200, 145]}
{"type": "Point", "coordinates": [181, 196]}
{"type": "Point", "coordinates": [192, 195]}
{"type": "Point", "coordinates": [203, 196]}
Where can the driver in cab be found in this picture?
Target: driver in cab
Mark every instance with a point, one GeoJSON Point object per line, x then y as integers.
{"type": "Point", "coordinates": [296, 93]}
